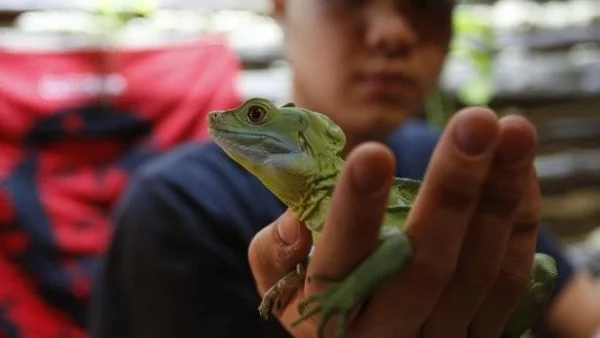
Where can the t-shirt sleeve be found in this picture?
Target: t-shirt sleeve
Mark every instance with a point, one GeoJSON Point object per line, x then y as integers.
{"type": "Point", "coordinates": [167, 275]}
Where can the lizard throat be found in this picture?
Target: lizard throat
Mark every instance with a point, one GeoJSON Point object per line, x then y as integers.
{"type": "Point", "coordinates": [314, 203]}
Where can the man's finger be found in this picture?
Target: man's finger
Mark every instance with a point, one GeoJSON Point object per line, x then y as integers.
{"type": "Point", "coordinates": [486, 239]}
{"type": "Point", "coordinates": [277, 249]}
{"type": "Point", "coordinates": [516, 267]}
{"type": "Point", "coordinates": [358, 204]}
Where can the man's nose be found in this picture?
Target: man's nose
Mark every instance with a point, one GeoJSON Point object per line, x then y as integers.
{"type": "Point", "coordinates": [389, 30]}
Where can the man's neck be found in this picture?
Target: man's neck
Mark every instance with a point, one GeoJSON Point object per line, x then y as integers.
{"type": "Point", "coordinates": [352, 141]}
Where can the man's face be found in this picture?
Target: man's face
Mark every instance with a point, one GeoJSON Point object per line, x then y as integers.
{"type": "Point", "coordinates": [365, 63]}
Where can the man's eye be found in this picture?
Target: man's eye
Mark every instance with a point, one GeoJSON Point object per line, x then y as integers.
{"type": "Point", "coordinates": [344, 5]}
{"type": "Point", "coordinates": [425, 5]}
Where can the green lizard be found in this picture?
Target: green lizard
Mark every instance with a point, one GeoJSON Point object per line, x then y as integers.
{"type": "Point", "coordinates": [296, 154]}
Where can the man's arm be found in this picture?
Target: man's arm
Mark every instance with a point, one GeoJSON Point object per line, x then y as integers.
{"type": "Point", "coordinates": [168, 273]}
{"type": "Point", "coordinates": [575, 312]}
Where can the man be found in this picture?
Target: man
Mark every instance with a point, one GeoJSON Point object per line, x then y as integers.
{"type": "Point", "coordinates": [178, 264]}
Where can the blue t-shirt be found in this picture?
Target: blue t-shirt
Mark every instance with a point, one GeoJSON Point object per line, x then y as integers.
{"type": "Point", "coordinates": [178, 267]}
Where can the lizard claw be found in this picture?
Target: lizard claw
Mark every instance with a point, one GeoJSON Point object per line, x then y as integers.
{"type": "Point", "coordinates": [340, 298]}
{"type": "Point", "coordinates": [307, 301]}
{"type": "Point", "coordinates": [279, 294]}
{"type": "Point", "coordinates": [304, 304]}
{"type": "Point", "coordinates": [330, 302]}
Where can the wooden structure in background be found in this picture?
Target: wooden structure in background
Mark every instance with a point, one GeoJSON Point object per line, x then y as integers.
{"type": "Point", "coordinates": [568, 162]}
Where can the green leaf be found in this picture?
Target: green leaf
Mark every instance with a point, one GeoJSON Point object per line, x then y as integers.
{"type": "Point", "coordinates": [477, 92]}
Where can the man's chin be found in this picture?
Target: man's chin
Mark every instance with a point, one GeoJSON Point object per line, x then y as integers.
{"type": "Point", "coordinates": [383, 116]}
{"type": "Point", "coordinates": [377, 126]}
{"type": "Point", "coordinates": [371, 118]}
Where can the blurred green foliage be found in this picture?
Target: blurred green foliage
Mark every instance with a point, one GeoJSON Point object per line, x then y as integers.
{"type": "Point", "coordinates": [115, 13]}
{"type": "Point", "coordinates": [472, 43]}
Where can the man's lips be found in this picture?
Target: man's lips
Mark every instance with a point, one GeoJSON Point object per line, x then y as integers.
{"type": "Point", "coordinates": [388, 84]}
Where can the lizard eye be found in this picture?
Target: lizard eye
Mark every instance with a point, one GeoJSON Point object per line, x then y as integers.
{"type": "Point", "coordinates": [256, 114]}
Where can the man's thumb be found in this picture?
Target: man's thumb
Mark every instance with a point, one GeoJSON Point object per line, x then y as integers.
{"type": "Point", "coordinates": [277, 249]}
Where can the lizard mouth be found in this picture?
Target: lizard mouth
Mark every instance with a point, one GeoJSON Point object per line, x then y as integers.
{"type": "Point", "coordinates": [248, 142]}
{"type": "Point", "coordinates": [228, 135]}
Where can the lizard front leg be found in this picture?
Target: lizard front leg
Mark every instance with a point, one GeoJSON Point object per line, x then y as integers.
{"type": "Point", "coordinates": [279, 294]}
{"type": "Point", "coordinates": [388, 259]}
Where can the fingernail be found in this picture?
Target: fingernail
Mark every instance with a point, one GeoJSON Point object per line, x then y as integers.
{"type": "Point", "coordinates": [516, 143]}
{"type": "Point", "coordinates": [474, 131]}
{"type": "Point", "coordinates": [287, 228]}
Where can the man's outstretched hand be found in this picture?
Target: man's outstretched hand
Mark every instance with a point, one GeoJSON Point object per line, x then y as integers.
{"type": "Point", "coordinates": [473, 228]}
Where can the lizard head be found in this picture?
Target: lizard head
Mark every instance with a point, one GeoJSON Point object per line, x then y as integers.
{"type": "Point", "coordinates": [282, 146]}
